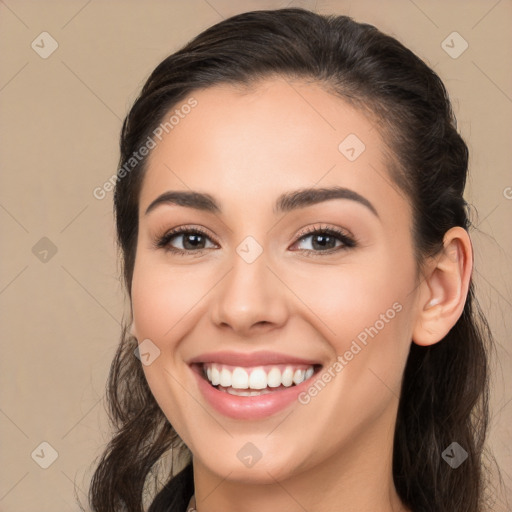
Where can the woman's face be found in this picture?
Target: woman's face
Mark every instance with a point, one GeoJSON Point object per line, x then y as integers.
{"type": "Point", "coordinates": [277, 284]}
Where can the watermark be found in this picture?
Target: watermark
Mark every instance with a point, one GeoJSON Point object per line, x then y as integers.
{"type": "Point", "coordinates": [355, 348]}
{"type": "Point", "coordinates": [351, 147]}
{"type": "Point", "coordinates": [44, 250]}
{"type": "Point", "coordinates": [454, 455]}
{"type": "Point", "coordinates": [249, 249]}
{"type": "Point", "coordinates": [454, 45]}
{"type": "Point", "coordinates": [146, 352]}
{"type": "Point", "coordinates": [44, 45]}
{"type": "Point", "coordinates": [249, 455]}
{"type": "Point", "coordinates": [149, 144]}
{"type": "Point", "coordinates": [44, 455]}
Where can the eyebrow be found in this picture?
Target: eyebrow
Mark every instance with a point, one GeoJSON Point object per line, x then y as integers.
{"type": "Point", "coordinates": [285, 202]}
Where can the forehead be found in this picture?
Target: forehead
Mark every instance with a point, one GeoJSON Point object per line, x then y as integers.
{"type": "Point", "coordinates": [261, 141]}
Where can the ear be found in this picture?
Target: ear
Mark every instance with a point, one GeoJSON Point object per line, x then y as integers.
{"type": "Point", "coordinates": [443, 292]}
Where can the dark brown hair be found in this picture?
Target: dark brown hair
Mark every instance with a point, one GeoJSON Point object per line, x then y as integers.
{"type": "Point", "coordinates": [444, 395]}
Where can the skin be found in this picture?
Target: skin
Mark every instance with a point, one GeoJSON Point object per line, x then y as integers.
{"type": "Point", "coordinates": [245, 148]}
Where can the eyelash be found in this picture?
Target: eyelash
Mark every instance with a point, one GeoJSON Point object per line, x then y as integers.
{"type": "Point", "coordinates": [347, 241]}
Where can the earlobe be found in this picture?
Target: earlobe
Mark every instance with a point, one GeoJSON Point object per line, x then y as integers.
{"type": "Point", "coordinates": [444, 291]}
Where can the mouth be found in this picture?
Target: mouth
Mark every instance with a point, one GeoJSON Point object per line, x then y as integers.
{"type": "Point", "coordinates": [247, 381]}
{"type": "Point", "coordinates": [252, 386]}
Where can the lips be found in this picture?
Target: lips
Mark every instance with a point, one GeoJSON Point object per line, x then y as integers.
{"type": "Point", "coordinates": [249, 398]}
{"type": "Point", "coordinates": [261, 358]}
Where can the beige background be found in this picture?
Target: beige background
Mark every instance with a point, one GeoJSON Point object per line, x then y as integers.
{"type": "Point", "coordinates": [59, 128]}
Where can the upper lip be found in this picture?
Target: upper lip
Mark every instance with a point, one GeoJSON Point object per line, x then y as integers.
{"type": "Point", "coordinates": [250, 359]}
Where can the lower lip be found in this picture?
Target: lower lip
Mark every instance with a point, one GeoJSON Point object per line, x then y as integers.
{"type": "Point", "coordinates": [249, 407]}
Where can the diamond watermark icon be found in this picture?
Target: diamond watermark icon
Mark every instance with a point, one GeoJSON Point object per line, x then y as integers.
{"type": "Point", "coordinates": [44, 250]}
{"type": "Point", "coordinates": [44, 45]}
{"type": "Point", "coordinates": [454, 455]}
{"type": "Point", "coordinates": [454, 45]}
{"type": "Point", "coordinates": [249, 249]}
{"type": "Point", "coordinates": [147, 352]}
{"type": "Point", "coordinates": [45, 455]}
{"type": "Point", "coordinates": [351, 147]}
{"type": "Point", "coordinates": [249, 454]}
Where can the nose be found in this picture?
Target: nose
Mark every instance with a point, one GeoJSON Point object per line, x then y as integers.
{"type": "Point", "coordinates": [250, 299]}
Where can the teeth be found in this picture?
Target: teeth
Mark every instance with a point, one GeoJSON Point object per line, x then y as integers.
{"type": "Point", "coordinates": [237, 392]}
{"type": "Point", "coordinates": [240, 379]}
{"type": "Point", "coordinates": [258, 378]}
{"type": "Point", "coordinates": [274, 378]}
{"type": "Point", "coordinates": [215, 377]}
{"type": "Point", "coordinates": [225, 378]}
{"type": "Point", "coordinates": [298, 376]}
{"type": "Point", "coordinates": [287, 377]}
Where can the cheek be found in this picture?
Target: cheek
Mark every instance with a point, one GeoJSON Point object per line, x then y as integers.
{"type": "Point", "coordinates": [151, 312]}
{"type": "Point", "coordinates": [162, 297]}
{"type": "Point", "coordinates": [364, 317]}
{"type": "Point", "coordinates": [363, 312]}
{"type": "Point", "coordinates": [162, 304]}
{"type": "Point", "coordinates": [351, 301]}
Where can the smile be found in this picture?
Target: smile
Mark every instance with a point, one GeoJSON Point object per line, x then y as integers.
{"type": "Point", "coordinates": [251, 386]}
{"type": "Point", "coordinates": [256, 380]}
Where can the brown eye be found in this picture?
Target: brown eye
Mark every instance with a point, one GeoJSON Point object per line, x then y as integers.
{"type": "Point", "coordinates": [325, 240]}
{"type": "Point", "coordinates": [192, 240]}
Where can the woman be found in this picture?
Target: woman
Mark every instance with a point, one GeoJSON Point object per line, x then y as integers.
{"type": "Point", "coordinates": [295, 247]}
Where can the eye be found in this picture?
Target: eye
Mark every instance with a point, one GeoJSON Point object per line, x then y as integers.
{"type": "Point", "coordinates": [324, 239]}
{"type": "Point", "coordinates": [193, 240]}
